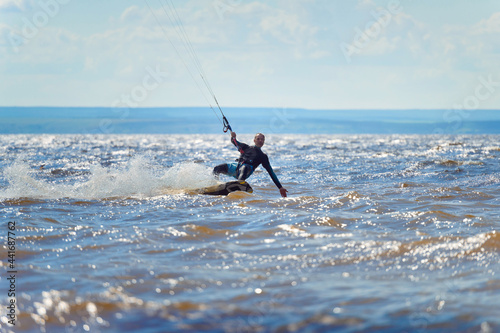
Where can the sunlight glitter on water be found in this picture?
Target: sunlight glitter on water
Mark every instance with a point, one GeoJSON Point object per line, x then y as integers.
{"type": "Point", "coordinates": [379, 232]}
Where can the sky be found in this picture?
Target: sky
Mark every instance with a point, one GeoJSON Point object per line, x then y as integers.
{"type": "Point", "coordinates": [313, 54]}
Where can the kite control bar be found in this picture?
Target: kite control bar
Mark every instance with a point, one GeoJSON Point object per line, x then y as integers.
{"type": "Point", "coordinates": [226, 125]}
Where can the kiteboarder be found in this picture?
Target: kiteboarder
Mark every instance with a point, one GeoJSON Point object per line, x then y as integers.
{"type": "Point", "coordinates": [251, 157]}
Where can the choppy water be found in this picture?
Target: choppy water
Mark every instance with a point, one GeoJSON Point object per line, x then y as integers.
{"type": "Point", "coordinates": [378, 234]}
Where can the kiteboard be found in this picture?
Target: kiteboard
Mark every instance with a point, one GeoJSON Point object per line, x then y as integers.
{"type": "Point", "coordinates": [226, 188]}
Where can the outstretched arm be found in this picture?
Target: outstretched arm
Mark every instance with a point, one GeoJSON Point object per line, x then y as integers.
{"type": "Point", "coordinates": [275, 179]}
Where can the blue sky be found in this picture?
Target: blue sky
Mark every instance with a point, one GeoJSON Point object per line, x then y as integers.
{"type": "Point", "coordinates": [316, 54]}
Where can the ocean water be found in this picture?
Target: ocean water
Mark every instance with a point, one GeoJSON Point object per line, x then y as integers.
{"type": "Point", "coordinates": [379, 233]}
{"type": "Point", "coordinates": [194, 120]}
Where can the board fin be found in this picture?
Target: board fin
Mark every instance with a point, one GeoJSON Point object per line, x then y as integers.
{"type": "Point", "coordinates": [226, 188]}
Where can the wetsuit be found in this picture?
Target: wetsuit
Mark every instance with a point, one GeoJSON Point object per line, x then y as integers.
{"type": "Point", "coordinates": [251, 157]}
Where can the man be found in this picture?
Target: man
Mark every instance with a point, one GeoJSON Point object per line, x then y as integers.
{"type": "Point", "coordinates": [251, 157]}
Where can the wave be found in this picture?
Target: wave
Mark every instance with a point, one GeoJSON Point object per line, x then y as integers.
{"type": "Point", "coordinates": [139, 177]}
{"type": "Point", "coordinates": [451, 163]}
{"type": "Point", "coordinates": [430, 252]}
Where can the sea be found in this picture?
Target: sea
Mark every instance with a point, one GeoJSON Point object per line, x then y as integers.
{"type": "Point", "coordinates": [391, 223]}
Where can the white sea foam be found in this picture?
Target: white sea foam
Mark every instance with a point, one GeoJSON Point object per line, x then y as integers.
{"type": "Point", "coordinates": [138, 177]}
{"type": "Point", "coordinates": [188, 176]}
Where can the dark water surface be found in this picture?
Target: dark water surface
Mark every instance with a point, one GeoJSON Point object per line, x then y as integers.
{"type": "Point", "coordinates": [379, 233]}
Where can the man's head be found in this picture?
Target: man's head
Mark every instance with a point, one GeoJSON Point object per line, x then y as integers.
{"type": "Point", "coordinates": [259, 140]}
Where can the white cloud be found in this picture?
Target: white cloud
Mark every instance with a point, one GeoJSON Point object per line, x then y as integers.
{"type": "Point", "coordinates": [131, 13]}
{"type": "Point", "coordinates": [14, 5]}
{"type": "Point", "coordinates": [490, 25]}
{"type": "Point", "coordinates": [287, 28]}
{"type": "Point", "coordinates": [381, 46]}
{"type": "Point", "coordinates": [365, 4]}
{"type": "Point", "coordinates": [89, 63]}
